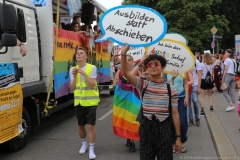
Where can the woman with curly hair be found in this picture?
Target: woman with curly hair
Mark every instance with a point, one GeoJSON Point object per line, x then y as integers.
{"type": "Point", "coordinates": [205, 80]}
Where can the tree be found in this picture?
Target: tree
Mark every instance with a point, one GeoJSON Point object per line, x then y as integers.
{"type": "Point", "coordinates": [191, 18]}
{"type": "Point", "coordinates": [229, 8]}
{"type": "Point", "coordinates": [147, 3]}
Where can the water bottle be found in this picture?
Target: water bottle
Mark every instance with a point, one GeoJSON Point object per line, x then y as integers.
{"type": "Point", "coordinates": [223, 86]}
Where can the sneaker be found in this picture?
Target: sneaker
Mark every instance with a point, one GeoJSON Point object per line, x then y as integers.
{"type": "Point", "coordinates": [92, 155]}
{"type": "Point", "coordinates": [229, 108]}
{"type": "Point", "coordinates": [190, 124]}
{"type": "Point", "coordinates": [202, 113]}
{"type": "Point", "coordinates": [83, 149]}
{"type": "Point", "coordinates": [198, 122]}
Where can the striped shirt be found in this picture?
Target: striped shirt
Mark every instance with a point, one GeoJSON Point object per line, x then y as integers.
{"type": "Point", "coordinates": [156, 99]}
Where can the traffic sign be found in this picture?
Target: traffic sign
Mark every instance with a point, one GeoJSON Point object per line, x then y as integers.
{"type": "Point", "coordinates": [214, 30]}
{"type": "Point", "coordinates": [218, 37]}
{"type": "Point", "coordinates": [213, 45]}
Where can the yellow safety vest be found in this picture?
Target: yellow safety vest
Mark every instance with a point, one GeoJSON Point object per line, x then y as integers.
{"type": "Point", "coordinates": [84, 95]}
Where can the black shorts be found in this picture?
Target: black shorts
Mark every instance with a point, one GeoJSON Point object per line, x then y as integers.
{"type": "Point", "coordinates": [205, 86]}
{"type": "Point", "coordinates": [86, 115]}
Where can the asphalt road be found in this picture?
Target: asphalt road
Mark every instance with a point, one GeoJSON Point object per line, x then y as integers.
{"type": "Point", "coordinates": [59, 140]}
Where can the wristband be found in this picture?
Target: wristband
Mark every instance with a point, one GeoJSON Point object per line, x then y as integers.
{"type": "Point", "coordinates": [21, 44]}
{"type": "Point", "coordinates": [178, 135]}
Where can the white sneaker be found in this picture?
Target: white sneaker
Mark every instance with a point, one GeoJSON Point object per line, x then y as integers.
{"type": "Point", "coordinates": [92, 155]}
{"type": "Point", "coordinates": [229, 108]}
{"type": "Point", "coordinates": [83, 149]}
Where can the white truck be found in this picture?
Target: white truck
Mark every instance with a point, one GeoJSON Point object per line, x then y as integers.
{"type": "Point", "coordinates": [33, 26]}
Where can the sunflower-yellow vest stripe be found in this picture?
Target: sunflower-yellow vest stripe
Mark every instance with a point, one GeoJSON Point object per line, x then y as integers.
{"type": "Point", "coordinates": [84, 95]}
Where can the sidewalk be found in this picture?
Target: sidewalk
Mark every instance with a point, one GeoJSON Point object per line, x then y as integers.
{"type": "Point", "coordinates": [223, 127]}
{"type": "Point", "coordinates": [199, 145]}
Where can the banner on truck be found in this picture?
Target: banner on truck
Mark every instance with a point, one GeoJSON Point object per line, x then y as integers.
{"type": "Point", "coordinates": [11, 101]}
{"type": "Point", "coordinates": [67, 44]}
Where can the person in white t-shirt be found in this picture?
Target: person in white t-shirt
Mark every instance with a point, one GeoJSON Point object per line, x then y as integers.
{"type": "Point", "coordinates": [229, 79]}
{"type": "Point", "coordinates": [205, 81]}
{"type": "Point", "coordinates": [83, 81]}
{"type": "Point", "coordinates": [194, 97]}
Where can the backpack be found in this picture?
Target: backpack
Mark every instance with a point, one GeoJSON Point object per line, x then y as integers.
{"type": "Point", "coordinates": [219, 72]}
{"type": "Point", "coordinates": [140, 114]}
{"type": "Point", "coordinates": [208, 79]}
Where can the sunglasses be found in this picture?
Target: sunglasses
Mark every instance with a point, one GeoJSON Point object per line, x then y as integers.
{"type": "Point", "coordinates": [155, 64]}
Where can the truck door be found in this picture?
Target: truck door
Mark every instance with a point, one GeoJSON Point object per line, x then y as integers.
{"type": "Point", "coordinates": [26, 32]}
{"type": "Point", "coordinates": [13, 53]}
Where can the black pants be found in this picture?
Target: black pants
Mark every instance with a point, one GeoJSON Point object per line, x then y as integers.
{"type": "Point", "coordinates": [155, 139]}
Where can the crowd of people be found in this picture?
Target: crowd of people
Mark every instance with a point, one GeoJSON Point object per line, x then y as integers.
{"type": "Point", "coordinates": [165, 99]}
{"type": "Point", "coordinates": [224, 70]}
{"type": "Point", "coordinates": [86, 29]}
{"type": "Point", "coordinates": [210, 71]}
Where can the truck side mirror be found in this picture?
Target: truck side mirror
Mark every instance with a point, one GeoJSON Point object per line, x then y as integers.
{"type": "Point", "coordinates": [8, 18]}
{"type": "Point", "coordinates": [9, 40]}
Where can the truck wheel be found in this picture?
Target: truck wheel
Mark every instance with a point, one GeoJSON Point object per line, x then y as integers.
{"type": "Point", "coordinates": [20, 141]}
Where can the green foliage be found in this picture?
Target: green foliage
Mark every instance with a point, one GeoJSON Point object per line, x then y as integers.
{"type": "Point", "coordinates": [195, 18]}
{"type": "Point", "coordinates": [230, 8]}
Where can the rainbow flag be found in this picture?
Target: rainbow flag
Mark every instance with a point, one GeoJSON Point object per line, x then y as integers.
{"type": "Point", "coordinates": [67, 44]}
{"type": "Point", "coordinates": [126, 107]}
{"type": "Point", "coordinates": [102, 62]}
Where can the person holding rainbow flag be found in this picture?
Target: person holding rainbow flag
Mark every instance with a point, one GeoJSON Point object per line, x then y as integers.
{"type": "Point", "coordinates": [159, 109]}
{"type": "Point", "coordinates": [126, 106]}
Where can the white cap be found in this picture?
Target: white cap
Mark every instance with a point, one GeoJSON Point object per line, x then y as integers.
{"type": "Point", "coordinates": [207, 51]}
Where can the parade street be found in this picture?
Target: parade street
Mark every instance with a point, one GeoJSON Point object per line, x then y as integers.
{"type": "Point", "coordinates": [60, 140]}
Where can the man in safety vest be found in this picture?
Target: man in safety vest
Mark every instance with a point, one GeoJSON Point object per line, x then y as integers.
{"type": "Point", "coordinates": [86, 98]}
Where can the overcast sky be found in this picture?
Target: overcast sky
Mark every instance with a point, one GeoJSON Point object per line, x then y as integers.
{"type": "Point", "coordinates": [110, 3]}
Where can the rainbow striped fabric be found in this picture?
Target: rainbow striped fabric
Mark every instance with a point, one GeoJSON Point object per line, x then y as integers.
{"type": "Point", "coordinates": [67, 43]}
{"type": "Point", "coordinates": [126, 107]}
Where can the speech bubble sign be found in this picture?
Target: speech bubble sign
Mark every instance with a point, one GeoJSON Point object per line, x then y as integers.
{"type": "Point", "coordinates": [179, 56]}
{"type": "Point", "coordinates": [176, 37]}
{"type": "Point", "coordinates": [133, 24]}
{"type": "Point", "coordinates": [136, 53]}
